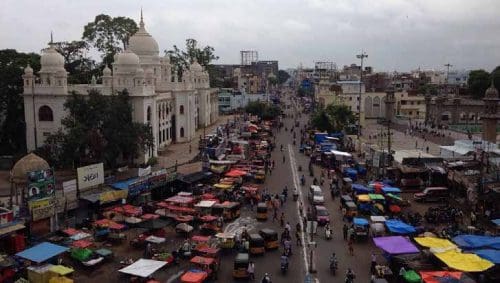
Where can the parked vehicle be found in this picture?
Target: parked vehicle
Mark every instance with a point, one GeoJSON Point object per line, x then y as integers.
{"type": "Point", "coordinates": [257, 244]}
{"type": "Point", "coordinates": [241, 263]}
{"type": "Point", "coordinates": [432, 194]}
{"type": "Point", "coordinates": [262, 211]}
{"type": "Point", "coordinates": [316, 195]}
{"type": "Point", "coordinates": [270, 238]}
{"type": "Point", "coordinates": [322, 215]}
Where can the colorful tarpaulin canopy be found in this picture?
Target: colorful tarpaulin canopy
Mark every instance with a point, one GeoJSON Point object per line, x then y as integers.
{"type": "Point", "coordinates": [442, 276]}
{"type": "Point", "coordinates": [464, 262]}
{"type": "Point", "coordinates": [143, 267]}
{"type": "Point", "coordinates": [364, 198]}
{"type": "Point", "coordinates": [358, 188]}
{"type": "Point", "coordinates": [399, 227]}
{"type": "Point", "coordinates": [194, 276]}
{"type": "Point", "coordinates": [360, 221]}
{"type": "Point", "coordinates": [392, 190]}
{"type": "Point", "coordinates": [395, 245]}
{"type": "Point", "coordinates": [475, 241]}
{"type": "Point", "coordinates": [236, 173]}
{"type": "Point", "coordinates": [393, 196]}
{"type": "Point", "coordinates": [489, 254]}
{"type": "Point", "coordinates": [412, 277]}
{"type": "Point", "coordinates": [42, 252]}
{"type": "Point", "coordinates": [61, 269]}
{"type": "Point", "coordinates": [376, 197]}
{"type": "Point", "coordinates": [435, 244]}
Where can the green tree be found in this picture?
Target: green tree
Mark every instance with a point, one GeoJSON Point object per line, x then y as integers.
{"type": "Point", "coordinates": [332, 118]}
{"type": "Point", "coordinates": [283, 76]}
{"type": "Point", "coordinates": [495, 75]}
{"type": "Point", "coordinates": [478, 82]}
{"type": "Point", "coordinates": [80, 67]}
{"type": "Point", "coordinates": [109, 35]}
{"type": "Point", "coordinates": [322, 121]}
{"type": "Point", "coordinates": [181, 59]}
{"type": "Point", "coordinates": [262, 110]}
{"type": "Point", "coordinates": [12, 125]}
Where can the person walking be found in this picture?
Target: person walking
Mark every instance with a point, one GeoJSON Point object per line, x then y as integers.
{"type": "Point", "coordinates": [344, 231]}
{"type": "Point", "coordinates": [350, 245]}
{"type": "Point", "coordinates": [251, 270]}
{"type": "Point", "coordinates": [275, 214]}
{"type": "Point", "coordinates": [298, 237]}
{"type": "Point", "coordinates": [373, 263]}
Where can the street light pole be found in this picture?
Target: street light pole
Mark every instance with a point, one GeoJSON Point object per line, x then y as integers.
{"type": "Point", "coordinates": [361, 56]}
{"type": "Point", "coordinates": [447, 65]}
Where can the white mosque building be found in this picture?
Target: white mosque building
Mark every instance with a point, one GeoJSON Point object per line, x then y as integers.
{"type": "Point", "coordinates": [175, 107]}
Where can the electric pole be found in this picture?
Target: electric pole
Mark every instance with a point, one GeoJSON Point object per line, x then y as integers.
{"type": "Point", "coordinates": [361, 56]}
{"type": "Point", "coordinates": [448, 66]}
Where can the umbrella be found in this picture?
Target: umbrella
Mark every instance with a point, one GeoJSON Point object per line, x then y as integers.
{"type": "Point", "coordinates": [133, 220]}
{"type": "Point", "coordinates": [183, 227]}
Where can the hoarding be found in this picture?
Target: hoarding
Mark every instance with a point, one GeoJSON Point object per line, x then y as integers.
{"type": "Point", "coordinates": [90, 176]}
{"type": "Point", "coordinates": [41, 184]}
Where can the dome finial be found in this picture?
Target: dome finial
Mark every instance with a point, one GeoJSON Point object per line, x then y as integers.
{"type": "Point", "coordinates": [141, 23]}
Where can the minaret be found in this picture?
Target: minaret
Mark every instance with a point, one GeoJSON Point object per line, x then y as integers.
{"type": "Point", "coordinates": [490, 117]}
{"type": "Point", "coordinates": [389, 104]}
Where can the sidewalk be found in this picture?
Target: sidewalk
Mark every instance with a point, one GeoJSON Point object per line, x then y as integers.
{"type": "Point", "coordinates": [179, 152]}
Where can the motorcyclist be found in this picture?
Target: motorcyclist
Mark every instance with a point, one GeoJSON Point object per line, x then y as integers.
{"type": "Point", "coordinates": [333, 261]}
{"type": "Point", "coordinates": [281, 148]}
{"type": "Point", "coordinates": [315, 181]}
{"type": "Point", "coordinates": [295, 194]}
{"type": "Point", "coordinates": [284, 261]}
{"type": "Point", "coordinates": [349, 276]}
{"type": "Point", "coordinates": [266, 278]}
{"type": "Point", "coordinates": [302, 179]}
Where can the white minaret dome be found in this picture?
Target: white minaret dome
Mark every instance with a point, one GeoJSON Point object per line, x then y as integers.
{"type": "Point", "coordinates": [51, 60]}
{"type": "Point", "coordinates": [127, 57]}
{"type": "Point", "coordinates": [195, 66]}
{"type": "Point", "coordinates": [106, 71]}
{"type": "Point", "coordinates": [28, 70]}
{"type": "Point", "coordinates": [139, 72]}
{"type": "Point", "coordinates": [142, 43]}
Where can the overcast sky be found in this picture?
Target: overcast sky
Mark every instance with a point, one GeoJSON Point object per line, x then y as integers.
{"type": "Point", "coordinates": [396, 34]}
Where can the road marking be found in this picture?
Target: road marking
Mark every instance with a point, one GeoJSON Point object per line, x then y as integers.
{"type": "Point", "coordinates": [296, 183]}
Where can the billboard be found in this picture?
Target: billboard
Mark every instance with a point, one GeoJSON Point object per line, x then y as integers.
{"type": "Point", "coordinates": [41, 184]}
{"type": "Point", "coordinates": [43, 208]}
{"type": "Point", "coordinates": [90, 176]}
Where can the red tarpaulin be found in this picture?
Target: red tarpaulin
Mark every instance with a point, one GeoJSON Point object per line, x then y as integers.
{"type": "Point", "coordinates": [71, 231]}
{"type": "Point", "coordinates": [395, 208]}
{"type": "Point", "coordinates": [236, 173]}
{"type": "Point", "coordinates": [180, 199]}
{"type": "Point", "coordinates": [438, 276]}
{"type": "Point", "coordinates": [208, 218]}
{"type": "Point", "coordinates": [128, 209]}
{"type": "Point", "coordinates": [109, 224]}
{"type": "Point", "coordinates": [149, 216]}
{"type": "Point", "coordinates": [183, 218]}
{"type": "Point", "coordinates": [208, 196]}
{"type": "Point", "coordinates": [81, 244]}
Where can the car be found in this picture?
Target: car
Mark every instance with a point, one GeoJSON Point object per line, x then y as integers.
{"type": "Point", "coordinates": [322, 215]}
{"type": "Point", "coordinates": [432, 194]}
{"type": "Point", "coordinates": [316, 195]}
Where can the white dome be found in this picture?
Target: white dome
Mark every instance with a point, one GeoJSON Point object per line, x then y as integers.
{"type": "Point", "coordinates": [139, 72]}
{"type": "Point", "coordinates": [195, 66]}
{"type": "Point", "coordinates": [28, 70]}
{"type": "Point", "coordinates": [51, 60]}
{"type": "Point", "coordinates": [127, 58]}
{"type": "Point", "coordinates": [142, 43]}
{"type": "Point", "coordinates": [106, 71]}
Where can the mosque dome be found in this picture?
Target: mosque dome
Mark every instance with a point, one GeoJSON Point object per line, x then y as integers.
{"type": "Point", "coordinates": [491, 92]}
{"type": "Point", "coordinates": [195, 67]}
{"type": "Point", "coordinates": [51, 60]}
{"type": "Point", "coordinates": [23, 166]}
{"type": "Point", "coordinates": [139, 72]}
{"type": "Point", "coordinates": [127, 57]}
{"type": "Point", "coordinates": [106, 71]}
{"type": "Point", "coordinates": [142, 43]}
{"type": "Point", "coordinates": [28, 70]}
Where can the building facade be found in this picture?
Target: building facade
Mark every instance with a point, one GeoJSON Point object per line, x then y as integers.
{"type": "Point", "coordinates": [175, 107]}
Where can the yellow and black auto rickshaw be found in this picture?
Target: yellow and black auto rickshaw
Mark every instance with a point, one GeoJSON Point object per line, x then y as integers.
{"type": "Point", "coordinates": [241, 265]}
{"type": "Point", "coordinates": [262, 211]}
{"type": "Point", "coordinates": [270, 238]}
{"type": "Point", "coordinates": [351, 209]}
{"type": "Point", "coordinates": [257, 245]}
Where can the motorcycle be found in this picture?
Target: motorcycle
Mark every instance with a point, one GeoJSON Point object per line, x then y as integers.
{"type": "Point", "coordinates": [302, 181]}
{"type": "Point", "coordinates": [284, 267]}
{"type": "Point", "coordinates": [295, 196]}
{"type": "Point", "coordinates": [333, 267]}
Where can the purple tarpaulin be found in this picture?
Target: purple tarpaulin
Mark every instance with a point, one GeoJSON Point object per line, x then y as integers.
{"type": "Point", "coordinates": [395, 245]}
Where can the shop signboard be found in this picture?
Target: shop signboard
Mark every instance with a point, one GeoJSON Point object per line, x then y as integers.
{"type": "Point", "coordinates": [43, 208]}
{"type": "Point", "coordinates": [136, 187]}
{"type": "Point", "coordinates": [144, 171]}
{"type": "Point", "coordinates": [90, 176]}
{"type": "Point", "coordinates": [41, 184]}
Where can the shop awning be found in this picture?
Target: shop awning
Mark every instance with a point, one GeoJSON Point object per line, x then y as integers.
{"type": "Point", "coordinates": [395, 245]}
{"type": "Point", "coordinates": [42, 252]}
{"type": "Point", "coordinates": [399, 227]}
{"type": "Point", "coordinates": [464, 262]}
{"type": "Point", "coordinates": [475, 241]}
{"type": "Point", "coordinates": [489, 254]}
{"type": "Point", "coordinates": [143, 267]}
{"type": "Point", "coordinates": [435, 244]}
{"type": "Point", "coordinates": [11, 228]}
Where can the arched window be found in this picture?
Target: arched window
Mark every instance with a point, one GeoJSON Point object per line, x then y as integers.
{"type": "Point", "coordinates": [148, 114]}
{"type": "Point", "coordinates": [182, 132]}
{"type": "Point", "coordinates": [181, 109]}
{"type": "Point", "coordinates": [45, 114]}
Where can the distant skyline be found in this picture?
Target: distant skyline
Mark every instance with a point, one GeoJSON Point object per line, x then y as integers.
{"type": "Point", "coordinates": [400, 35]}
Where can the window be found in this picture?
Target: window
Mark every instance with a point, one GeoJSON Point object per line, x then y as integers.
{"type": "Point", "coordinates": [45, 114]}
{"type": "Point", "coordinates": [182, 132]}
{"type": "Point", "coordinates": [148, 114]}
{"type": "Point", "coordinates": [181, 109]}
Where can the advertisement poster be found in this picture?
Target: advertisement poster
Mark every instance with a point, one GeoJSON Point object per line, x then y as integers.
{"type": "Point", "coordinates": [41, 184]}
{"type": "Point", "coordinates": [90, 176]}
{"type": "Point", "coordinates": [42, 208]}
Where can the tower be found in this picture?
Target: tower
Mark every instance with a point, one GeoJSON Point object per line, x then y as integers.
{"type": "Point", "coordinates": [389, 104]}
{"type": "Point", "coordinates": [491, 116]}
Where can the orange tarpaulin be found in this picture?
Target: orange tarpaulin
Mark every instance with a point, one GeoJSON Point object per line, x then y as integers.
{"type": "Point", "coordinates": [194, 276]}
{"type": "Point", "coordinates": [438, 276]}
{"type": "Point", "coordinates": [236, 173]}
{"type": "Point", "coordinates": [109, 224]}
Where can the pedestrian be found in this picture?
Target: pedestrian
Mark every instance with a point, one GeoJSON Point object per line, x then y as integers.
{"type": "Point", "coordinates": [344, 231]}
{"type": "Point", "coordinates": [299, 239]}
{"type": "Point", "coordinates": [251, 270]}
{"type": "Point", "coordinates": [344, 214]}
{"type": "Point", "coordinates": [288, 227]}
{"type": "Point", "coordinates": [402, 272]}
{"type": "Point", "coordinates": [427, 149]}
{"type": "Point", "coordinates": [472, 218]}
{"type": "Point", "coordinates": [351, 247]}
{"type": "Point", "coordinates": [282, 219]}
{"type": "Point", "coordinates": [148, 252]}
{"type": "Point", "coordinates": [189, 148]}
{"type": "Point", "coordinates": [373, 263]}
{"type": "Point", "coordinates": [275, 214]}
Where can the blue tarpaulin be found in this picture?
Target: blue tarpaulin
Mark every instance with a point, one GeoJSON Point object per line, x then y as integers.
{"type": "Point", "coordinates": [320, 137]}
{"type": "Point", "coordinates": [351, 173]}
{"type": "Point", "coordinates": [399, 227]}
{"type": "Point", "coordinates": [476, 242]}
{"type": "Point", "coordinates": [360, 189]}
{"type": "Point", "coordinates": [489, 254]}
{"type": "Point", "coordinates": [496, 221]}
{"type": "Point", "coordinates": [391, 190]}
{"type": "Point", "coordinates": [122, 185]}
{"type": "Point", "coordinates": [42, 252]}
{"type": "Point", "coordinates": [360, 221]}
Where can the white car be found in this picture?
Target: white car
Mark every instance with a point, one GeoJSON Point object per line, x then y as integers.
{"type": "Point", "coordinates": [316, 195]}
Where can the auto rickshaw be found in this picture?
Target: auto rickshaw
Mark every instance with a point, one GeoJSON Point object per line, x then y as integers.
{"type": "Point", "coordinates": [262, 211]}
{"type": "Point", "coordinates": [207, 264]}
{"type": "Point", "coordinates": [364, 203]}
{"type": "Point", "coordinates": [226, 240]}
{"type": "Point", "coordinates": [231, 210]}
{"type": "Point", "coordinates": [360, 228]}
{"type": "Point", "coordinates": [346, 184]}
{"type": "Point", "coordinates": [241, 266]}
{"type": "Point", "coordinates": [344, 199]}
{"type": "Point", "coordinates": [351, 209]}
{"type": "Point", "coordinates": [270, 238]}
{"type": "Point", "coordinates": [194, 276]}
{"type": "Point", "coordinates": [257, 245]}
{"type": "Point", "coordinates": [260, 176]}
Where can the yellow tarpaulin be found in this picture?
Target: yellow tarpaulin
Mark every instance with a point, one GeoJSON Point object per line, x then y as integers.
{"type": "Point", "coordinates": [464, 262]}
{"type": "Point", "coordinates": [61, 269]}
{"type": "Point", "coordinates": [60, 279]}
{"type": "Point", "coordinates": [223, 186]}
{"type": "Point", "coordinates": [435, 243]}
{"type": "Point", "coordinates": [364, 198]}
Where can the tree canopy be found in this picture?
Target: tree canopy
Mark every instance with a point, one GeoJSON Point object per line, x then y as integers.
{"type": "Point", "coordinates": [262, 110]}
{"type": "Point", "coordinates": [181, 59]}
{"type": "Point", "coordinates": [80, 67]}
{"type": "Point", "coordinates": [332, 118]}
{"type": "Point", "coordinates": [495, 75]}
{"type": "Point", "coordinates": [283, 76]}
{"type": "Point", "coordinates": [12, 125]}
{"type": "Point", "coordinates": [478, 82]}
{"type": "Point", "coordinates": [109, 35]}
{"type": "Point", "coordinates": [98, 128]}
